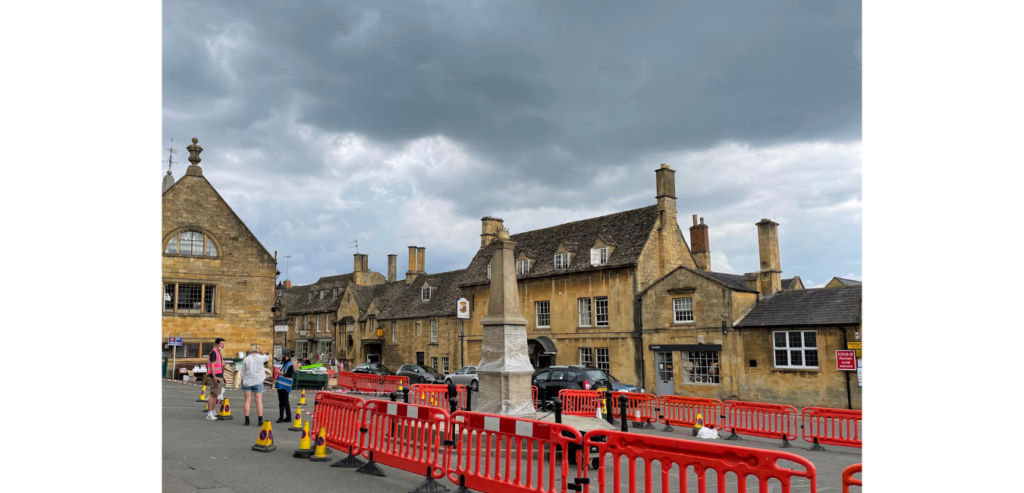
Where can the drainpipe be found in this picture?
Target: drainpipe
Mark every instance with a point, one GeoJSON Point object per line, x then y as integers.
{"type": "Point", "coordinates": [639, 327]}
{"type": "Point", "coordinates": [849, 398]}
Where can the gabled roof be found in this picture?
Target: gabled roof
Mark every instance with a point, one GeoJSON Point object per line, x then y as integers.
{"type": "Point", "coordinates": [399, 300]}
{"type": "Point", "coordinates": [788, 283]}
{"type": "Point", "coordinates": [731, 281]}
{"type": "Point", "coordinates": [288, 299]}
{"type": "Point", "coordinates": [817, 306]}
{"type": "Point", "coordinates": [627, 231]}
{"type": "Point", "coordinates": [847, 282]}
{"type": "Point", "coordinates": [329, 303]}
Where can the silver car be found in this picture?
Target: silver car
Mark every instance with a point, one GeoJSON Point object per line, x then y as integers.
{"type": "Point", "coordinates": [465, 376]}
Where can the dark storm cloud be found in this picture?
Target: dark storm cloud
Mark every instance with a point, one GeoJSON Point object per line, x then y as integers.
{"type": "Point", "coordinates": [544, 97]}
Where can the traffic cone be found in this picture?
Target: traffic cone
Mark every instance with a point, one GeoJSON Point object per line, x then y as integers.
{"type": "Point", "coordinates": [225, 409]}
{"type": "Point", "coordinates": [202, 395]}
{"type": "Point", "coordinates": [320, 455]}
{"type": "Point", "coordinates": [302, 400]}
{"type": "Point", "coordinates": [698, 424]}
{"type": "Point", "coordinates": [265, 443]}
{"type": "Point", "coordinates": [305, 448]}
{"type": "Point", "coordinates": [297, 423]}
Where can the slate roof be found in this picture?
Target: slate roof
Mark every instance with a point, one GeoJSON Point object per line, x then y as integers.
{"type": "Point", "coordinates": [732, 281]}
{"type": "Point", "coordinates": [627, 231]}
{"type": "Point", "coordinates": [288, 299]}
{"type": "Point", "coordinates": [848, 282]}
{"type": "Point", "coordinates": [817, 306]}
{"type": "Point", "coordinates": [328, 304]}
{"type": "Point", "coordinates": [788, 283]}
{"type": "Point", "coordinates": [398, 300]}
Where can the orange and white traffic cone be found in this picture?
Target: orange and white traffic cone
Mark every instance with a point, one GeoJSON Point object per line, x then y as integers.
{"type": "Point", "coordinates": [297, 422]}
{"type": "Point", "coordinates": [320, 454]}
{"type": "Point", "coordinates": [225, 410]}
{"type": "Point", "coordinates": [305, 447]}
{"type": "Point", "coordinates": [265, 443]}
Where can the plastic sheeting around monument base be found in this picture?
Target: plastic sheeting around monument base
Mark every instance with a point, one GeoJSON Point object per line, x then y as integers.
{"type": "Point", "coordinates": [503, 354]}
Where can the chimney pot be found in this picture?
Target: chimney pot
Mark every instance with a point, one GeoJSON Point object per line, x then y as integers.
{"type": "Point", "coordinates": [287, 283]}
{"type": "Point", "coordinates": [392, 267]}
{"type": "Point", "coordinates": [694, 219]}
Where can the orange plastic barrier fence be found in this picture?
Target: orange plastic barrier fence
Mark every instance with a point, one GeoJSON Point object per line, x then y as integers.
{"type": "Point", "coordinates": [367, 383]}
{"type": "Point", "coordinates": [536, 403]}
{"type": "Point", "coordinates": [682, 411]}
{"type": "Point", "coordinates": [640, 408]}
{"type": "Point", "coordinates": [408, 437]}
{"type": "Point", "coordinates": [392, 383]}
{"type": "Point", "coordinates": [347, 380]}
{"type": "Point", "coordinates": [432, 394]}
{"type": "Point", "coordinates": [763, 420]}
{"type": "Point", "coordinates": [848, 479]}
{"type": "Point", "coordinates": [822, 425]}
{"type": "Point", "coordinates": [580, 402]}
{"type": "Point", "coordinates": [499, 453]}
{"type": "Point", "coordinates": [675, 454]}
{"type": "Point", "coordinates": [342, 416]}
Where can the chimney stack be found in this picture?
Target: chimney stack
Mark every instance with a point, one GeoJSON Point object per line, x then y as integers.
{"type": "Point", "coordinates": [392, 267]}
{"type": "Point", "coordinates": [750, 280]}
{"type": "Point", "coordinates": [699, 244]}
{"type": "Point", "coordinates": [421, 259]}
{"type": "Point", "coordinates": [360, 263]}
{"type": "Point", "coordinates": [768, 249]}
{"type": "Point", "coordinates": [287, 283]}
{"type": "Point", "coordinates": [489, 225]}
{"type": "Point", "coordinates": [410, 274]}
{"type": "Point", "coordinates": [666, 188]}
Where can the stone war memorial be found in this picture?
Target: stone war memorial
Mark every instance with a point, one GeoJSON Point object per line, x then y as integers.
{"type": "Point", "coordinates": [505, 370]}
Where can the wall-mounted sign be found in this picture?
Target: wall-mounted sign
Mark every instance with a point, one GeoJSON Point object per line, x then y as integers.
{"type": "Point", "coordinates": [855, 346]}
{"type": "Point", "coordinates": [173, 341]}
{"type": "Point", "coordinates": [462, 308]}
{"type": "Point", "coordinates": [280, 328]}
{"type": "Point", "coordinates": [846, 360]}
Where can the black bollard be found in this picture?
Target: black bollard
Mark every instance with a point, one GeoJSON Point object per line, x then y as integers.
{"type": "Point", "coordinates": [405, 394]}
{"type": "Point", "coordinates": [453, 404]}
{"type": "Point", "coordinates": [608, 402]}
{"type": "Point", "coordinates": [393, 396]}
{"type": "Point", "coordinates": [558, 410]}
{"type": "Point", "coordinates": [469, 399]}
{"type": "Point", "coordinates": [622, 412]}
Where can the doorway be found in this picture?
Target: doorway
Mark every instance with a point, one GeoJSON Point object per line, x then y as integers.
{"type": "Point", "coordinates": [373, 358]}
{"type": "Point", "coordinates": [666, 384]}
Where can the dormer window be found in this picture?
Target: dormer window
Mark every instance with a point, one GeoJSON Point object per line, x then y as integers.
{"type": "Point", "coordinates": [310, 296]}
{"type": "Point", "coordinates": [488, 271]}
{"type": "Point", "coordinates": [321, 294]}
{"type": "Point", "coordinates": [522, 267]}
{"type": "Point", "coordinates": [425, 296]}
{"type": "Point", "coordinates": [561, 261]}
{"type": "Point", "coordinates": [334, 294]}
{"type": "Point", "coordinates": [599, 256]}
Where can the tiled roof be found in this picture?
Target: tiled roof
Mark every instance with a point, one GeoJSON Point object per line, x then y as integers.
{"type": "Point", "coordinates": [817, 306]}
{"type": "Point", "coordinates": [399, 300]}
{"type": "Point", "coordinates": [627, 231]}
{"type": "Point", "coordinates": [787, 283]}
{"type": "Point", "coordinates": [848, 282]}
{"type": "Point", "coordinates": [328, 304]}
{"type": "Point", "coordinates": [288, 299]}
{"type": "Point", "coordinates": [732, 281]}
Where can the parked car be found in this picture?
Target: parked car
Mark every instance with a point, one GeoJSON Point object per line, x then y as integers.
{"type": "Point", "coordinates": [618, 386]}
{"type": "Point", "coordinates": [552, 379]}
{"type": "Point", "coordinates": [420, 374]}
{"type": "Point", "coordinates": [465, 376]}
{"type": "Point", "coordinates": [375, 368]}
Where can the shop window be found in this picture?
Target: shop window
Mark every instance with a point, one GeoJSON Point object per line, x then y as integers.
{"type": "Point", "coordinates": [189, 298]}
{"type": "Point", "coordinates": [700, 367]}
{"type": "Point", "coordinates": [302, 349]}
{"type": "Point", "coordinates": [188, 350]}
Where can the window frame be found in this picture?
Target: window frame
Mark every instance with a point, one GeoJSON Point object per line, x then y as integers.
{"type": "Point", "coordinates": [580, 312]}
{"type": "Point", "coordinates": [488, 271]}
{"type": "Point", "coordinates": [601, 254]}
{"type": "Point", "coordinates": [607, 359]}
{"type": "Point", "coordinates": [204, 247]}
{"type": "Point", "coordinates": [419, 329]}
{"type": "Point", "coordinates": [322, 293]}
{"type": "Point", "coordinates": [433, 331]}
{"type": "Point", "coordinates": [597, 311]}
{"type": "Point", "coordinates": [680, 309]}
{"type": "Point", "coordinates": [589, 359]}
{"type": "Point", "coordinates": [304, 353]}
{"type": "Point", "coordinates": [546, 312]}
{"type": "Point", "coordinates": [433, 363]}
{"type": "Point", "coordinates": [207, 306]}
{"type": "Point", "coordinates": [425, 294]}
{"type": "Point", "coordinates": [522, 267]}
{"type": "Point", "coordinates": [334, 294]}
{"type": "Point", "coordinates": [394, 332]}
{"type": "Point", "coordinates": [318, 323]}
{"type": "Point", "coordinates": [445, 368]}
{"type": "Point", "coordinates": [789, 350]}
{"type": "Point", "coordinates": [712, 369]}
{"type": "Point", "coordinates": [561, 261]}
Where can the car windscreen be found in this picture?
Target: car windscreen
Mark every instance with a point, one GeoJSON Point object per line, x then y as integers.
{"type": "Point", "coordinates": [595, 375]}
{"type": "Point", "coordinates": [612, 378]}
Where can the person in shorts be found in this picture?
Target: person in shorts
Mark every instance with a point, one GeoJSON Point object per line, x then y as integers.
{"type": "Point", "coordinates": [214, 379]}
{"type": "Point", "coordinates": [252, 381]}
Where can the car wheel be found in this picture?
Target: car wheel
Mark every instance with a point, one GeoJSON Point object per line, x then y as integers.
{"type": "Point", "coordinates": [448, 382]}
{"type": "Point", "coordinates": [421, 380]}
{"type": "Point", "coordinates": [474, 386]}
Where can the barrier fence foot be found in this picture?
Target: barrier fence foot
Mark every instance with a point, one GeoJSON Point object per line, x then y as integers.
{"type": "Point", "coordinates": [303, 453]}
{"type": "Point", "coordinates": [637, 425]}
{"type": "Point", "coordinates": [371, 468]}
{"type": "Point", "coordinates": [668, 427]}
{"type": "Point", "coordinates": [429, 484]}
{"type": "Point", "coordinates": [817, 446]}
{"type": "Point", "coordinates": [785, 443]}
{"type": "Point", "coordinates": [734, 436]}
{"type": "Point", "coordinates": [695, 430]}
{"type": "Point", "coordinates": [349, 462]}
{"type": "Point", "coordinates": [462, 485]}
{"type": "Point", "coordinates": [648, 426]}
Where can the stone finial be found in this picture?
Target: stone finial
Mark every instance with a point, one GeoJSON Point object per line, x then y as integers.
{"type": "Point", "coordinates": [193, 157]}
{"type": "Point", "coordinates": [502, 234]}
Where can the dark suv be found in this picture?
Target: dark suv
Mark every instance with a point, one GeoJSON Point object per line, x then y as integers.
{"type": "Point", "coordinates": [375, 368]}
{"type": "Point", "coordinates": [575, 377]}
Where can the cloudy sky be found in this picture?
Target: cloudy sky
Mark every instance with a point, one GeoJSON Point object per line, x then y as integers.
{"type": "Point", "coordinates": [403, 123]}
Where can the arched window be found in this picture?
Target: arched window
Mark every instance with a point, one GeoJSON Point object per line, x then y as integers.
{"type": "Point", "coordinates": [191, 243]}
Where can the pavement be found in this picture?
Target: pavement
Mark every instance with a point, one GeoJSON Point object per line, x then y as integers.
{"type": "Point", "coordinates": [216, 456]}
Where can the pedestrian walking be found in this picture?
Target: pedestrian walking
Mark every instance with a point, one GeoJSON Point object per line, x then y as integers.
{"type": "Point", "coordinates": [214, 378]}
{"type": "Point", "coordinates": [284, 385]}
{"type": "Point", "coordinates": [252, 381]}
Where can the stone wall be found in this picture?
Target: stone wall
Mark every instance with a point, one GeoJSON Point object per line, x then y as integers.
{"type": "Point", "coordinates": [243, 271]}
{"type": "Point", "coordinates": [665, 250]}
{"type": "Point", "coordinates": [404, 351]}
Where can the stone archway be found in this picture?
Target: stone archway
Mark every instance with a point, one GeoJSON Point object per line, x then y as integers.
{"type": "Point", "coordinates": [542, 352]}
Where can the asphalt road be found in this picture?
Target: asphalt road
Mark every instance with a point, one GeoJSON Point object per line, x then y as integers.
{"type": "Point", "coordinates": [216, 456]}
